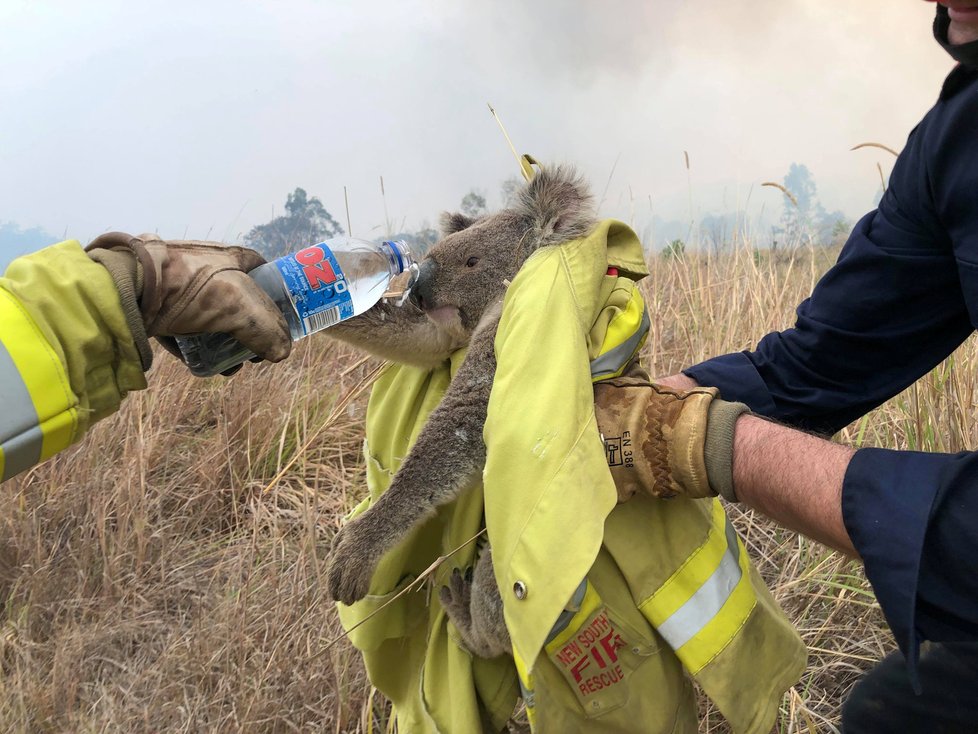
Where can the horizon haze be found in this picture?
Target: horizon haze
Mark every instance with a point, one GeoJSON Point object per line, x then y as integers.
{"type": "Point", "coordinates": [196, 119]}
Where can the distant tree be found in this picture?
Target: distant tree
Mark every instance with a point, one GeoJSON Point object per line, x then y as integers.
{"type": "Point", "coordinates": [418, 240]}
{"type": "Point", "coordinates": [305, 222]}
{"type": "Point", "coordinates": [473, 204]}
{"type": "Point", "coordinates": [675, 250]}
{"type": "Point", "coordinates": [840, 228]}
{"type": "Point", "coordinates": [508, 190]}
{"type": "Point", "coordinates": [426, 234]}
{"type": "Point", "coordinates": [716, 230]}
{"type": "Point", "coordinates": [807, 221]}
{"type": "Point", "coordinates": [800, 182]}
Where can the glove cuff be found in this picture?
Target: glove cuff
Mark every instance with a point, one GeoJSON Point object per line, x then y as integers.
{"type": "Point", "coordinates": [127, 275]}
{"type": "Point", "coordinates": [688, 474]}
{"type": "Point", "coordinates": [150, 267]}
{"type": "Point", "coordinates": [718, 451]}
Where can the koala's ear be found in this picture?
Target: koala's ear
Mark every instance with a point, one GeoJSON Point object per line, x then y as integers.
{"type": "Point", "coordinates": [452, 222]}
{"type": "Point", "coordinates": [558, 206]}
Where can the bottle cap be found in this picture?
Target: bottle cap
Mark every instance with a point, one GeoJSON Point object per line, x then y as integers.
{"type": "Point", "coordinates": [402, 253]}
{"type": "Point", "coordinates": [399, 288]}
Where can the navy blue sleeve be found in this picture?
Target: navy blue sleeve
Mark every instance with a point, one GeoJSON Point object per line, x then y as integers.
{"type": "Point", "coordinates": [902, 296]}
{"type": "Point", "coordinates": [912, 516]}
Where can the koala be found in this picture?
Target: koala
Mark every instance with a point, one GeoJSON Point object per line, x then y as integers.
{"type": "Point", "coordinates": [456, 300]}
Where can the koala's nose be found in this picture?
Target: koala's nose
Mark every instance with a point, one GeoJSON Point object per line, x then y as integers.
{"type": "Point", "coordinates": [422, 294]}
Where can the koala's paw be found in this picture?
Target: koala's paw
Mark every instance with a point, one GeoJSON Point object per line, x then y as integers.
{"type": "Point", "coordinates": [474, 606]}
{"type": "Point", "coordinates": [456, 599]}
{"type": "Point", "coordinates": [353, 560]}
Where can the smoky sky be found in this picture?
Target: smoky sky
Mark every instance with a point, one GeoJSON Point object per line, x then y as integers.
{"type": "Point", "coordinates": [197, 118]}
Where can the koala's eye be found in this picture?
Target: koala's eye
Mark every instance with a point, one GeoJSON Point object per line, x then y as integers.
{"type": "Point", "coordinates": [472, 262]}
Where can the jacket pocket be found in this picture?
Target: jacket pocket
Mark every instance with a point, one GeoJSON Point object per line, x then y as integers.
{"type": "Point", "coordinates": [597, 652]}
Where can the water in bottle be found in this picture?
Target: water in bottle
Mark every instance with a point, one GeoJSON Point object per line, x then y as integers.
{"type": "Point", "coordinates": [314, 288]}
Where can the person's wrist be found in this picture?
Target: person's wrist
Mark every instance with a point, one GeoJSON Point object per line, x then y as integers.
{"type": "Point", "coordinates": [718, 446]}
{"type": "Point", "coordinates": [718, 440]}
{"type": "Point", "coordinates": [678, 381]}
{"type": "Point", "coordinates": [127, 276]}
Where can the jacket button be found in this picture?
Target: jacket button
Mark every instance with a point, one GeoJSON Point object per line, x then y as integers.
{"type": "Point", "coordinates": [519, 588]}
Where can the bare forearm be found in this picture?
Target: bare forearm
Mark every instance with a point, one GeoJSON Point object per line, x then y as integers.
{"type": "Point", "coordinates": [790, 476]}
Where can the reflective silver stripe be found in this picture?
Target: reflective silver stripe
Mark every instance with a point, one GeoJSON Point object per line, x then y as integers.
{"type": "Point", "coordinates": [686, 622]}
{"type": "Point", "coordinates": [22, 452]}
{"type": "Point", "coordinates": [614, 359]}
{"type": "Point", "coordinates": [20, 435]}
{"type": "Point", "coordinates": [572, 608]}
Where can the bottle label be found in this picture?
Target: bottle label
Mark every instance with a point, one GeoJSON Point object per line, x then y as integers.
{"type": "Point", "coordinates": [317, 286]}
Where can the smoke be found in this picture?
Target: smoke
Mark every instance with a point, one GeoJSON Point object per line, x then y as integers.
{"type": "Point", "coordinates": [584, 43]}
{"type": "Point", "coordinates": [200, 119]}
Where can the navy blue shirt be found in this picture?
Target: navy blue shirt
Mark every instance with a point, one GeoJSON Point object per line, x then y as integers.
{"type": "Point", "coordinates": [902, 296]}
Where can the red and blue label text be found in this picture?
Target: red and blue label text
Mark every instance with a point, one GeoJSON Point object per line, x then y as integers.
{"type": "Point", "coordinates": [317, 286]}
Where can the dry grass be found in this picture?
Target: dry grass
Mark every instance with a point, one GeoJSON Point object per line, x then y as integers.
{"type": "Point", "coordinates": [783, 190]}
{"type": "Point", "coordinates": [149, 582]}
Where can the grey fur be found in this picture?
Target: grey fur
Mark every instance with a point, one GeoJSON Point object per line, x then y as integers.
{"type": "Point", "coordinates": [401, 334]}
{"type": "Point", "coordinates": [553, 203]}
{"type": "Point", "coordinates": [460, 288]}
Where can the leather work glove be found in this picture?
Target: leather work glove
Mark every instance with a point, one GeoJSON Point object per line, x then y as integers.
{"type": "Point", "coordinates": [665, 442]}
{"type": "Point", "coordinates": [180, 287]}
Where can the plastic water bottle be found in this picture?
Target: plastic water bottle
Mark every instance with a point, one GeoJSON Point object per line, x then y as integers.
{"type": "Point", "coordinates": [315, 288]}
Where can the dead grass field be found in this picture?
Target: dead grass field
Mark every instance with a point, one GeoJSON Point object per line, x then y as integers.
{"type": "Point", "coordinates": [167, 574]}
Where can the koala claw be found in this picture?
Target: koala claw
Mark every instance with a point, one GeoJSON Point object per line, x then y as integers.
{"type": "Point", "coordinates": [476, 610]}
{"type": "Point", "coordinates": [456, 598]}
{"type": "Point", "coordinates": [353, 559]}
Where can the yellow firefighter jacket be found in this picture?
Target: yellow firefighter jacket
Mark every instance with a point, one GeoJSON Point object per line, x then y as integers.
{"type": "Point", "coordinates": [607, 606]}
{"type": "Point", "coordinates": [67, 358]}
